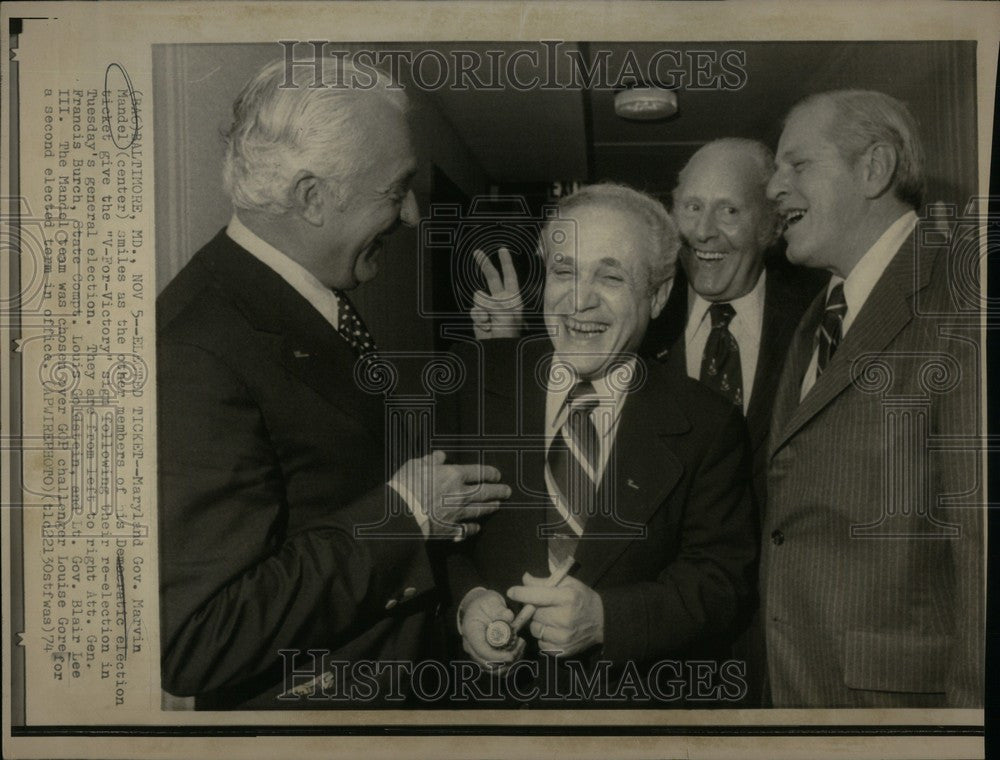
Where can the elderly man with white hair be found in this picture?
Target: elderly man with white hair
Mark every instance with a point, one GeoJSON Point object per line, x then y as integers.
{"type": "Point", "coordinates": [272, 459]}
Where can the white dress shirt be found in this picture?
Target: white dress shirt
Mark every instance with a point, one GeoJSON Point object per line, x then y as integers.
{"type": "Point", "coordinates": [605, 416]}
{"type": "Point", "coordinates": [861, 281]}
{"type": "Point", "coordinates": [325, 301]}
{"type": "Point", "coordinates": [746, 327]}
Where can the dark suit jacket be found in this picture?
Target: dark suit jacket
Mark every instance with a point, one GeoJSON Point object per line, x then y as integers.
{"type": "Point", "coordinates": [872, 564]}
{"type": "Point", "coordinates": [673, 563]}
{"type": "Point", "coordinates": [270, 456]}
{"type": "Point", "coordinates": [788, 291]}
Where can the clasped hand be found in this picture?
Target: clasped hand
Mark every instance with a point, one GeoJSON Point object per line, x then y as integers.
{"type": "Point", "coordinates": [568, 619]}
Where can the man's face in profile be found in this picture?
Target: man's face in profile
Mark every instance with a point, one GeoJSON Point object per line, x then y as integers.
{"type": "Point", "coordinates": [379, 198]}
{"type": "Point", "coordinates": [819, 193]}
{"type": "Point", "coordinates": [725, 222]}
{"type": "Point", "coordinates": [597, 298]}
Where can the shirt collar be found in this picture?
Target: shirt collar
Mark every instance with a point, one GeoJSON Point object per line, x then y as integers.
{"type": "Point", "coordinates": [866, 273]}
{"type": "Point", "coordinates": [305, 283]}
{"type": "Point", "coordinates": [611, 387]}
{"type": "Point", "coordinates": [749, 306]}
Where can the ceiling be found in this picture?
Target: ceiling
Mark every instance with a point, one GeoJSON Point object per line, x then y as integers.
{"type": "Point", "coordinates": [571, 133]}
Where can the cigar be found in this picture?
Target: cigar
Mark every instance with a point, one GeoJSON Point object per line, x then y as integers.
{"type": "Point", "coordinates": [501, 635]}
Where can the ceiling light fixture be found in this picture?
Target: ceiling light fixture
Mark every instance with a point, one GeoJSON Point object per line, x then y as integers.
{"type": "Point", "coordinates": [645, 103]}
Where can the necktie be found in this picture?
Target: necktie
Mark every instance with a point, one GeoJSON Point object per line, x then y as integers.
{"type": "Point", "coordinates": [572, 462]}
{"type": "Point", "coordinates": [831, 328]}
{"type": "Point", "coordinates": [352, 328]}
{"type": "Point", "coordinates": [720, 364]}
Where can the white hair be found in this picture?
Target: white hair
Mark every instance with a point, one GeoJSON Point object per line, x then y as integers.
{"type": "Point", "coordinates": [663, 239]}
{"type": "Point", "coordinates": [285, 121]}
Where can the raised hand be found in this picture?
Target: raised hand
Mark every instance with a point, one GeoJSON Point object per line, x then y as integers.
{"type": "Point", "coordinates": [497, 313]}
{"type": "Point", "coordinates": [451, 495]}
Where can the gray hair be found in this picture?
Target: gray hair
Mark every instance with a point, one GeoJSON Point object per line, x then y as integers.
{"type": "Point", "coordinates": [865, 117]}
{"type": "Point", "coordinates": [284, 123]}
{"type": "Point", "coordinates": [762, 158]}
{"type": "Point", "coordinates": [662, 238]}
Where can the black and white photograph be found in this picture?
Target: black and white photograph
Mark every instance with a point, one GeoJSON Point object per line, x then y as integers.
{"type": "Point", "coordinates": [517, 384]}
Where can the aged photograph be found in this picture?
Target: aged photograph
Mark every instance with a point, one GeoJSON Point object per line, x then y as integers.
{"type": "Point", "coordinates": [569, 374]}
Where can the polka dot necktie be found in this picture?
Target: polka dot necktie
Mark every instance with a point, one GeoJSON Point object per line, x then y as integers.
{"type": "Point", "coordinates": [572, 461]}
{"type": "Point", "coordinates": [720, 364]}
{"type": "Point", "coordinates": [831, 329]}
{"type": "Point", "coordinates": [352, 328]}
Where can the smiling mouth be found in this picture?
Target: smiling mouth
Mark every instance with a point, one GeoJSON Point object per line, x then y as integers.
{"type": "Point", "coordinates": [584, 330]}
{"type": "Point", "coordinates": [793, 216]}
{"type": "Point", "coordinates": [709, 256]}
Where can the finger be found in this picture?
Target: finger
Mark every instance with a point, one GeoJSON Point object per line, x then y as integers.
{"type": "Point", "coordinates": [529, 580]}
{"type": "Point", "coordinates": [537, 595]}
{"type": "Point", "coordinates": [480, 317]}
{"type": "Point", "coordinates": [462, 532]}
{"type": "Point", "coordinates": [509, 273]}
{"type": "Point", "coordinates": [476, 473]}
{"type": "Point", "coordinates": [550, 647]}
{"type": "Point", "coordinates": [490, 273]}
{"type": "Point", "coordinates": [477, 509]}
{"type": "Point", "coordinates": [437, 457]}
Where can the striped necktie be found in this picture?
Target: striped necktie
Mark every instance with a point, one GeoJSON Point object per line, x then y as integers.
{"type": "Point", "coordinates": [572, 463]}
{"type": "Point", "coordinates": [831, 328]}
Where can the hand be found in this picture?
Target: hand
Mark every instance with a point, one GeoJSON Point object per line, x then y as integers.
{"type": "Point", "coordinates": [569, 618]}
{"type": "Point", "coordinates": [497, 314]}
{"type": "Point", "coordinates": [479, 608]}
{"type": "Point", "coordinates": [450, 494]}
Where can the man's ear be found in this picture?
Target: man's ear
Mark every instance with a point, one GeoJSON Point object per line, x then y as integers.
{"type": "Point", "coordinates": [660, 297]}
{"type": "Point", "coordinates": [878, 169]}
{"type": "Point", "coordinates": [308, 197]}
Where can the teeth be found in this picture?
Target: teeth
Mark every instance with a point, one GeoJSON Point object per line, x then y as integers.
{"type": "Point", "coordinates": [709, 255]}
{"type": "Point", "coordinates": [585, 328]}
{"type": "Point", "coordinates": [793, 215]}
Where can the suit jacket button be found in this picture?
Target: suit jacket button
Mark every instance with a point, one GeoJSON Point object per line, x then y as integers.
{"type": "Point", "coordinates": [777, 538]}
{"type": "Point", "coordinates": [390, 604]}
{"type": "Point", "coordinates": [408, 592]}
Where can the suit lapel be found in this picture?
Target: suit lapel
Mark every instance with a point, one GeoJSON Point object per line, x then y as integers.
{"type": "Point", "coordinates": [641, 471]}
{"type": "Point", "coordinates": [777, 328]}
{"type": "Point", "coordinates": [884, 314]}
{"type": "Point", "coordinates": [308, 346]}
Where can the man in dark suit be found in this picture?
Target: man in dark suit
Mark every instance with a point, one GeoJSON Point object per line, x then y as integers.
{"type": "Point", "coordinates": [282, 527]}
{"type": "Point", "coordinates": [732, 312]}
{"type": "Point", "coordinates": [873, 557]}
{"type": "Point", "coordinates": [637, 472]}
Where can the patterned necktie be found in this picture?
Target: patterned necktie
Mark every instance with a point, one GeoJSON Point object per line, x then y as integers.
{"type": "Point", "coordinates": [720, 364]}
{"type": "Point", "coordinates": [352, 328]}
{"type": "Point", "coordinates": [572, 462]}
{"type": "Point", "coordinates": [831, 328]}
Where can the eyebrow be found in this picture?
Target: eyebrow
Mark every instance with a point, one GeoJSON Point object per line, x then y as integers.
{"type": "Point", "coordinates": [403, 179]}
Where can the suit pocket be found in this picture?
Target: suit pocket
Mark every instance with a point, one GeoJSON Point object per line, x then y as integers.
{"type": "Point", "coordinates": [903, 662]}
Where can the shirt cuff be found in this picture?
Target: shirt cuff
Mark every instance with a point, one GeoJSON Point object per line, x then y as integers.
{"type": "Point", "coordinates": [413, 504]}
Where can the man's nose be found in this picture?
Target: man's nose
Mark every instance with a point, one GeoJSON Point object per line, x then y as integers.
{"type": "Point", "coordinates": [705, 229]}
{"type": "Point", "coordinates": [776, 186]}
{"type": "Point", "coordinates": [409, 212]}
{"type": "Point", "coordinates": [586, 296]}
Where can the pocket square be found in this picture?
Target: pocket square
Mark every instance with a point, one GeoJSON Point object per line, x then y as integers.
{"type": "Point", "coordinates": [300, 354]}
{"type": "Point", "coordinates": [632, 484]}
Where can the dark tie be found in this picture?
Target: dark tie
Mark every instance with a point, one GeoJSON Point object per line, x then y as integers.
{"type": "Point", "coordinates": [720, 364]}
{"type": "Point", "coordinates": [352, 328]}
{"type": "Point", "coordinates": [572, 457]}
{"type": "Point", "coordinates": [831, 329]}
